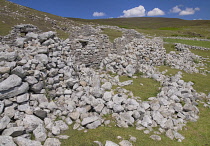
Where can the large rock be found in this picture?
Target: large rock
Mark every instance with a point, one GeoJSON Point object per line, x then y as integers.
{"type": "Point", "coordinates": [42, 58]}
{"type": "Point", "coordinates": [41, 114]}
{"type": "Point", "coordinates": [31, 122]}
{"type": "Point", "coordinates": [23, 98]}
{"type": "Point", "coordinates": [4, 70]}
{"type": "Point", "coordinates": [130, 70]}
{"type": "Point", "coordinates": [155, 137]}
{"type": "Point", "coordinates": [94, 125]}
{"type": "Point", "coordinates": [19, 72]}
{"type": "Point", "coordinates": [1, 106]}
{"type": "Point", "coordinates": [125, 143]}
{"type": "Point", "coordinates": [52, 142]}
{"type": "Point", "coordinates": [40, 133]}
{"type": "Point", "coordinates": [8, 56]}
{"type": "Point", "coordinates": [88, 120]}
{"type": "Point", "coordinates": [21, 141]}
{"type": "Point", "coordinates": [46, 35]}
{"type": "Point", "coordinates": [11, 82]}
{"type": "Point", "coordinates": [4, 122]}
{"type": "Point", "coordinates": [14, 131]}
{"type": "Point", "coordinates": [147, 121]}
{"type": "Point", "coordinates": [107, 96]}
{"type": "Point", "coordinates": [6, 141]}
{"type": "Point", "coordinates": [36, 88]}
{"type": "Point", "coordinates": [31, 80]}
{"type": "Point", "coordinates": [62, 125]}
{"type": "Point", "coordinates": [107, 86]}
{"type": "Point", "coordinates": [97, 93]}
{"type": "Point", "coordinates": [23, 88]}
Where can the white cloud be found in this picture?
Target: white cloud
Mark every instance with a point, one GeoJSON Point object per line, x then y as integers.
{"type": "Point", "coordinates": [155, 12]}
{"type": "Point", "coordinates": [175, 9]}
{"type": "Point", "coordinates": [189, 11]}
{"type": "Point", "coordinates": [134, 12]}
{"type": "Point", "coordinates": [98, 14]}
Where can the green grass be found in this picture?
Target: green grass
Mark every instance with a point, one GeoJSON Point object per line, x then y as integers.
{"type": "Point", "coordinates": [169, 47]}
{"type": "Point", "coordinates": [150, 87]}
{"type": "Point", "coordinates": [170, 71]}
{"type": "Point", "coordinates": [189, 42]}
{"type": "Point", "coordinates": [158, 26]}
{"type": "Point", "coordinates": [201, 82]}
{"type": "Point", "coordinates": [169, 28]}
{"type": "Point", "coordinates": [112, 33]}
{"type": "Point", "coordinates": [8, 21]}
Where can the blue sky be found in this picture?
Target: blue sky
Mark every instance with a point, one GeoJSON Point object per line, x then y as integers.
{"type": "Point", "coordinates": [97, 9]}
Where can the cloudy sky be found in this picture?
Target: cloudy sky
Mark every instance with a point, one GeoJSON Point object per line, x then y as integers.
{"type": "Point", "coordinates": [97, 9]}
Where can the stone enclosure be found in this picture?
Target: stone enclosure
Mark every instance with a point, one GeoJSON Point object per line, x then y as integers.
{"type": "Point", "coordinates": [47, 84]}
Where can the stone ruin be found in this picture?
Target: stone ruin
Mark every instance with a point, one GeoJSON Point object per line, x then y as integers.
{"type": "Point", "coordinates": [47, 84]}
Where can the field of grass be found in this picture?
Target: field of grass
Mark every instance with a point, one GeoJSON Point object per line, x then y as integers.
{"type": "Point", "coordinates": [205, 44]}
{"type": "Point", "coordinates": [29, 16]}
{"type": "Point", "coordinates": [150, 87]}
{"type": "Point", "coordinates": [112, 33]}
{"type": "Point", "coordinates": [158, 26]}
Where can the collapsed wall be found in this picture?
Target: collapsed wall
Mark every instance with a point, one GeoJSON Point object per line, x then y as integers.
{"type": "Point", "coordinates": [43, 90]}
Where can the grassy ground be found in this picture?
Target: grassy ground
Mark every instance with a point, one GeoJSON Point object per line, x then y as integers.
{"type": "Point", "coordinates": [189, 42]}
{"type": "Point", "coordinates": [150, 87]}
{"type": "Point", "coordinates": [29, 16]}
{"type": "Point", "coordinates": [113, 34]}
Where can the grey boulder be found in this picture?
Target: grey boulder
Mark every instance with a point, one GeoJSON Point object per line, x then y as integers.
{"type": "Point", "coordinates": [52, 142]}
{"type": "Point", "coordinates": [20, 141]}
{"type": "Point", "coordinates": [31, 122]}
{"type": "Point", "coordinates": [6, 141]}
{"type": "Point", "coordinates": [4, 122]}
{"type": "Point", "coordinates": [14, 131]}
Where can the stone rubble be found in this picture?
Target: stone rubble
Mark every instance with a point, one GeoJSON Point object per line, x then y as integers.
{"type": "Point", "coordinates": [44, 88]}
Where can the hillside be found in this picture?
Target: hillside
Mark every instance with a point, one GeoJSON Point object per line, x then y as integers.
{"type": "Point", "coordinates": [158, 26]}
{"type": "Point", "coordinates": [13, 14]}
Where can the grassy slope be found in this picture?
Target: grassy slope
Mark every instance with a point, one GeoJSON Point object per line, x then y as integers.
{"type": "Point", "coordinates": [205, 44]}
{"type": "Point", "coordinates": [9, 18]}
{"type": "Point", "coordinates": [159, 26]}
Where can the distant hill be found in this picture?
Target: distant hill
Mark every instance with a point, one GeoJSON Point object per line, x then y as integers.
{"type": "Point", "coordinates": [12, 14]}
{"type": "Point", "coordinates": [158, 25]}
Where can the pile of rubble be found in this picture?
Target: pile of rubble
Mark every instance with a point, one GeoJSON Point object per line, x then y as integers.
{"type": "Point", "coordinates": [43, 90]}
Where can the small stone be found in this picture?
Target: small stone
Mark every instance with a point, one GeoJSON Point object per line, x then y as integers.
{"type": "Point", "coordinates": [110, 143]}
{"type": "Point", "coordinates": [99, 143]}
{"type": "Point", "coordinates": [107, 86]}
{"type": "Point", "coordinates": [125, 143]}
{"type": "Point", "coordinates": [52, 142]}
{"type": "Point", "coordinates": [133, 139]}
{"type": "Point", "coordinates": [155, 137]}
